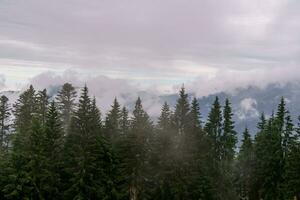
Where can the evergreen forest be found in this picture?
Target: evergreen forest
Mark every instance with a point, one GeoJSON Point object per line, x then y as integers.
{"type": "Point", "coordinates": [65, 148]}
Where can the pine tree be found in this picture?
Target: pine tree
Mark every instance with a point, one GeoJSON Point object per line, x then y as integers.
{"type": "Point", "coordinates": [4, 142]}
{"type": "Point", "coordinates": [245, 167]}
{"type": "Point", "coordinates": [258, 147]}
{"type": "Point", "coordinates": [35, 166]}
{"type": "Point", "coordinates": [229, 137]}
{"type": "Point", "coordinates": [24, 109]}
{"type": "Point", "coordinates": [262, 123]}
{"type": "Point", "coordinates": [213, 129]}
{"type": "Point", "coordinates": [53, 152]}
{"type": "Point", "coordinates": [124, 122]}
{"type": "Point", "coordinates": [19, 183]}
{"type": "Point", "coordinates": [26, 169]}
{"type": "Point", "coordinates": [113, 122]}
{"type": "Point", "coordinates": [269, 156]}
{"type": "Point", "coordinates": [66, 103]}
{"type": "Point", "coordinates": [163, 155]}
{"type": "Point", "coordinates": [180, 121]}
{"type": "Point", "coordinates": [42, 104]}
{"type": "Point", "coordinates": [198, 185]}
{"type": "Point", "coordinates": [4, 166]}
{"type": "Point", "coordinates": [181, 112]}
{"type": "Point", "coordinates": [4, 125]}
{"type": "Point", "coordinates": [280, 116]}
{"type": "Point", "coordinates": [107, 158]}
{"type": "Point", "coordinates": [164, 121]}
{"type": "Point", "coordinates": [195, 116]}
{"type": "Point", "coordinates": [135, 152]}
{"type": "Point", "coordinates": [262, 155]}
{"type": "Point", "coordinates": [85, 156]}
{"type": "Point", "coordinates": [292, 167]}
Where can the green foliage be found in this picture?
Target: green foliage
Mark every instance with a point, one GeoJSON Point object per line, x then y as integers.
{"type": "Point", "coordinates": [113, 122]}
{"type": "Point", "coordinates": [61, 150]}
{"type": "Point", "coordinates": [181, 112]}
{"type": "Point", "coordinates": [4, 124]}
{"type": "Point", "coordinates": [66, 104]}
{"type": "Point", "coordinates": [229, 137]}
{"type": "Point", "coordinates": [85, 153]}
{"type": "Point", "coordinates": [244, 167]}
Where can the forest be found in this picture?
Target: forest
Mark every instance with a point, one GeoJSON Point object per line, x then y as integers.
{"type": "Point", "coordinates": [65, 148]}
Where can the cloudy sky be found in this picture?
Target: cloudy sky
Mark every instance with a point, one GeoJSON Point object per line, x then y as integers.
{"type": "Point", "coordinates": [210, 45]}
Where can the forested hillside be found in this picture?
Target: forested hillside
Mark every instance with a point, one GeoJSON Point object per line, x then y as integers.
{"type": "Point", "coordinates": [65, 148]}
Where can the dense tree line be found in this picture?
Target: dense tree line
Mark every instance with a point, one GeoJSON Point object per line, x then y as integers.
{"type": "Point", "coordinates": [63, 148]}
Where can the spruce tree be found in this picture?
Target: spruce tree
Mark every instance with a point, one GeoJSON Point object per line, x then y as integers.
{"type": "Point", "coordinates": [213, 129]}
{"type": "Point", "coordinates": [107, 158]}
{"type": "Point", "coordinates": [261, 124]}
{"type": "Point", "coordinates": [53, 152]}
{"type": "Point", "coordinates": [292, 164]}
{"type": "Point", "coordinates": [229, 136]}
{"type": "Point", "coordinates": [181, 112]}
{"type": "Point", "coordinates": [24, 109]}
{"type": "Point", "coordinates": [113, 122]}
{"type": "Point", "coordinates": [136, 149]}
{"type": "Point", "coordinates": [198, 185]}
{"type": "Point", "coordinates": [85, 153]}
{"type": "Point", "coordinates": [163, 156]}
{"type": "Point", "coordinates": [35, 165]}
{"type": "Point", "coordinates": [4, 142]}
{"type": "Point", "coordinates": [164, 121]}
{"type": "Point", "coordinates": [280, 116]}
{"type": "Point", "coordinates": [42, 104]}
{"type": "Point", "coordinates": [19, 182]}
{"type": "Point", "coordinates": [180, 120]}
{"type": "Point", "coordinates": [124, 122]}
{"type": "Point", "coordinates": [195, 116]}
{"type": "Point", "coordinates": [26, 169]}
{"type": "Point", "coordinates": [245, 167]}
{"type": "Point", "coordinates": [4, 124]}
{"type": "Point", "coordinates": [66, 103]}
{"type": "Point", "coordinates": [83, 177]}
{"type": "Point", "coordinates": [261, 152]}
{"type": "Point", "coordinates": [269, 153]}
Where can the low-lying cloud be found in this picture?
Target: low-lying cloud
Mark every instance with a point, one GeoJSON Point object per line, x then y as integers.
{"type": "Point", "coordinates": [104, 89]}
{"type": "Point", "coordinates": [2, 81]}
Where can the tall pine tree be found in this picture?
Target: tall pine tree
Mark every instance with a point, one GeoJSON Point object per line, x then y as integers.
{"type": "Point", "coordinates": [84, 153]}
{"type": "Point", "coordinates": [4, 122]}
{"type": "Point", "coordinates": [66, 103]}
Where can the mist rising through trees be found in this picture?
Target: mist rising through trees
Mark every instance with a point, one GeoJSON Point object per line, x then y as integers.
{"type": "Point", "coordinates": [66, 148]}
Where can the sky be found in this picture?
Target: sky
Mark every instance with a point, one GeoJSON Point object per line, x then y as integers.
{"type": "Point", "coordinates": [209, 45]}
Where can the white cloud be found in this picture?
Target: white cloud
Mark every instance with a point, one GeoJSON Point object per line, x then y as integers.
{"type": "Point", "coordinates": [248, 109]}
{"type": "Point", "coordinates": [2, 82]}
{"type": "Point", "coordinates": [229, 80]}
{"type": "Point", "coordinates": [103, 88]}
{"type": "Point", "coordinates": [213, 45]}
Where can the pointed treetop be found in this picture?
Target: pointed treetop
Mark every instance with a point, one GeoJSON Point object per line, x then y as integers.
{"type": "Point", "coordinates": [195, 115]}
{"type": "Point", "coordinates": [281, 113]}
{"type": "Point", "coordinates": [138, 111]}
{"type": "Point", "coordinates": [246, 146]}
{"type": "Point", "coordinates": [246, 133]}
{"type": "Point", "coordinates": [165, 117]}
{"type": "Point", "coordinates": [227, 114]}
{"type": "Point", "coordinates": [262, 123]}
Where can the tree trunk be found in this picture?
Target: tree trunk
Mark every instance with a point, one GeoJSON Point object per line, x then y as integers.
{"type": "Point", "coordinates": [132, 192]}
